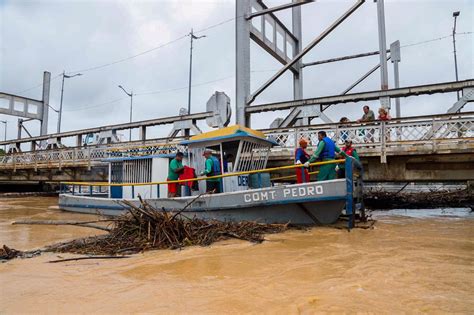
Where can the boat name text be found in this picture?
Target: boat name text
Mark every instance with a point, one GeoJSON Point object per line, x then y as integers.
{"type": "Point", "coordinates": [287, 192]}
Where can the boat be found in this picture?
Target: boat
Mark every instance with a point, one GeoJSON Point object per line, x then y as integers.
{"type": "Point", "coordinates": [247, 194]}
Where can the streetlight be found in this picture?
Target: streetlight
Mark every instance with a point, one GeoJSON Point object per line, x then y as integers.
{"type": "Point", "coordinates": [193, 37]}
{"type": "Point", "coordinates": [131, 108]}
{"type": "Point", "coordinates": [455, 15]}
{"type": "Point", "coordinates": [65, 76]}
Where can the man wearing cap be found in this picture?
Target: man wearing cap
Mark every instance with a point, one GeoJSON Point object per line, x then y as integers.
{"type": "Point", "coordinates": [212, 168]}
{"type": "Point", "coordinates": [302, 157]}
{"type": "Point", "coordinates": [350, 151]}
{"type": "Point", "coordinates": [174, 169]}
{"type": "Point", "coordinates": [326, 151]}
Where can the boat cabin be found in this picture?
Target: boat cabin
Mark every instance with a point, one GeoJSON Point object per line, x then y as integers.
{"type": "Point", "coordinates": [238, 149]}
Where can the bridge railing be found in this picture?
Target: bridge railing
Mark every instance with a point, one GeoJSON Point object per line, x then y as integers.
{"type": "Point", "coordinates": [380, 136]}
{"type": "Point", "coordinates": [77, 156]}
{"type": "Point", "coordinates": [377, 138]}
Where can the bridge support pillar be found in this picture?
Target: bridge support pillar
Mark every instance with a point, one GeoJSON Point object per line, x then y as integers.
{"type": "Point", "coordinates": [78, 140]}
{"type": "Point", "coordinates": [143, 133]}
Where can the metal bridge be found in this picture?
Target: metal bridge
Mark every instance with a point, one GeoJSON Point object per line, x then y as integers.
{"type": "Point", "coordinates": [448, 136]}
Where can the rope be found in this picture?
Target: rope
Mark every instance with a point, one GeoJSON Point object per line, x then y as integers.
{"type": "Point", "coordinates": [202, 178]}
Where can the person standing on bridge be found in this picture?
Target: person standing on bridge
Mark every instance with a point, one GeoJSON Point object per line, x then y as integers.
{"type": "Point", "coordinates": [175, 168]}
{"type": "Point", "coordinates": [350, 151]}
{"type": "Point", "coordinates": [383, 114]}
{"type": "Point", "coordinates": [302, 157]}
{"type": "Point", "coordinates": [368, 116]}
{"type": "Point", "coordinates": [212, 168]}
{"type": "Point", "coordinates": [326, 151]}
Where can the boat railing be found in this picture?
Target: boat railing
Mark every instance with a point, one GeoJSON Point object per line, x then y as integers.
{"type": "Point", "coordinates": [353, 178]}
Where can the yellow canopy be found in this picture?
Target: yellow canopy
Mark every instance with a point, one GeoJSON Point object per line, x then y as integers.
{"type": "Point", "coordinates": [228, 131]}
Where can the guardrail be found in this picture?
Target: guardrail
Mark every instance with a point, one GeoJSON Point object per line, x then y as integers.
{"type": "Point", "coordinates": [380, 137]}
{"type": "Point", "coordinates": [86, 156]}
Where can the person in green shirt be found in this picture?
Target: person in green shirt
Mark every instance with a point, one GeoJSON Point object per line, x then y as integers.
{"type": "Point", "coordinates": [350, 151]}
{"type": "Point", "coordinates": [174, 169]}
{"type": "Point", "coordinates": [212, 168]}
{"type": "Point", "coordinates": [326, 151]}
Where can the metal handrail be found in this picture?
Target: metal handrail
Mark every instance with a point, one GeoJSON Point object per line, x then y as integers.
{"type": "Point", "coordinates": [203, 178]}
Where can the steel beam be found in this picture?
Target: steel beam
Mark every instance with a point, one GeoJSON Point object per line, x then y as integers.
{"type": "Point", "coordinates": [305, 50]}
{"type": "Point", "coordinates": [383, 51]}
{"type": "Point", "coordinates": [45, 101]}
{"type": "Point", "coordinates": [30, 108]}
{"type": "Point", "coordinates": [468, 96]}
{"type": "Point", "coordinates": [365, 96]}
{"type": "Point", "coordinates": [365, 76]}
{"type": "Point", "coordinates": [136, 124]}
{"type": "Point", "coordinates": [242, 64]}
{"type": "Point", "coordinates": [279, 8]}
{"type": "Point", "coordinates": [270, 45]}
{"type": "Point", "coordinates": [396, 58]}
{"type": "Point", "coordinates": [320, 62]}
{"type": "Point", "coordinates": [297, 31]}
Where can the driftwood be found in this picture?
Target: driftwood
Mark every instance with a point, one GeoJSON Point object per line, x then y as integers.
{"type": "Point", "coordinates": [88, 224]}
{"type": "Point", "coordinates": [419, 200]}
{"type": "Point", "coordinates": [144, 228]}
{"type": "Point", "coordinates": [88, 257]}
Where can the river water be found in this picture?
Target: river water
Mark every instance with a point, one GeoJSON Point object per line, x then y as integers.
{"type": "Point", "coordinates": [413, 261]}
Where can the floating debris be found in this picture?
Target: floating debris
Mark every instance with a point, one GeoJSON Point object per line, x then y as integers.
{"type": "Point", "coordinates": [419, 200]}
{"type": "Point", "coordinates": [145, 228]}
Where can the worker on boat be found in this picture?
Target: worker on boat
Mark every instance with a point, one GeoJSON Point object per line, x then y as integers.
{"type": "Point", "coordinates": [228, 158]}
{"type": "Point", "coordinates": [174, 169]}
{"type": "Point", "coordinates": [301, 157]}
{"type": "Point", "coordinates": [350, 151]}
{"type": "Point", "coordinates": [326, 151]}
{"type": "Point", "coordinates": [212, 168]}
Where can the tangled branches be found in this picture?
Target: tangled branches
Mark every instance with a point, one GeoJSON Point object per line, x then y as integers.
{"type": "Point", "coordinates": [145, 228]}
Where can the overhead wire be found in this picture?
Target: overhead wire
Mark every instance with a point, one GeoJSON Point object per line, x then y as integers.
{"type": "Point", "coordinates": [152, 49]}
{"type": "Point", "coordinates": [39, 84]}
{"type": "Point", "coordinates": [433, 40]}
{"type": "Point", "coordinates": [148, 93]}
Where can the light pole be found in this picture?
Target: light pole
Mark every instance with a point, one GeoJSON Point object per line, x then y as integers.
{"type": "Point", "coordinates": [455, 15]}
{"type": "Point", "coordinates": [131, 108]}
{"type": "Point", "coordinates": [5, 136]}
{"type": "Point", "coordinates": [65, 76]}
{"type": "Point", "coordinates": [193, 37]}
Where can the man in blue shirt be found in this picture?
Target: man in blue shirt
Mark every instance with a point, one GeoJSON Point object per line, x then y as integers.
{"type": "Point", "coordinates": [326, 151]}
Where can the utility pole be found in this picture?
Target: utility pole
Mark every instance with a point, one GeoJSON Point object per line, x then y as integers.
{"type": "Point", "coordinates": [131, 109]}
{"type": "Point", "coordinates": [193, 37]}
{"type": "Point", "coordinates": [455, 15]}
{"type": "Point", "coordinates": [65, 76]}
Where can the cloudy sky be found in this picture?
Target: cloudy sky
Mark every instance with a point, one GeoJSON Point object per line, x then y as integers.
{"type": "Point", "coordinates": [85, 36]}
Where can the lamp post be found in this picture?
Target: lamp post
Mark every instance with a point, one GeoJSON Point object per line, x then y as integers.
{"type": "Point", "coordinates": [5, 136]}
{"type": "Point", "coordinates": [455, 15]}
{"type": "Point", "coordinates": [193, 37]}
{"type": "Point", "coordinates": [65, 76]}
{"type": "Point", "coordinates": [131, 108]}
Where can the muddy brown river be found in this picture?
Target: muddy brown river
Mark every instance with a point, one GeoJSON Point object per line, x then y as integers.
{"type": "Point", "coordinates": [413, 261]}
